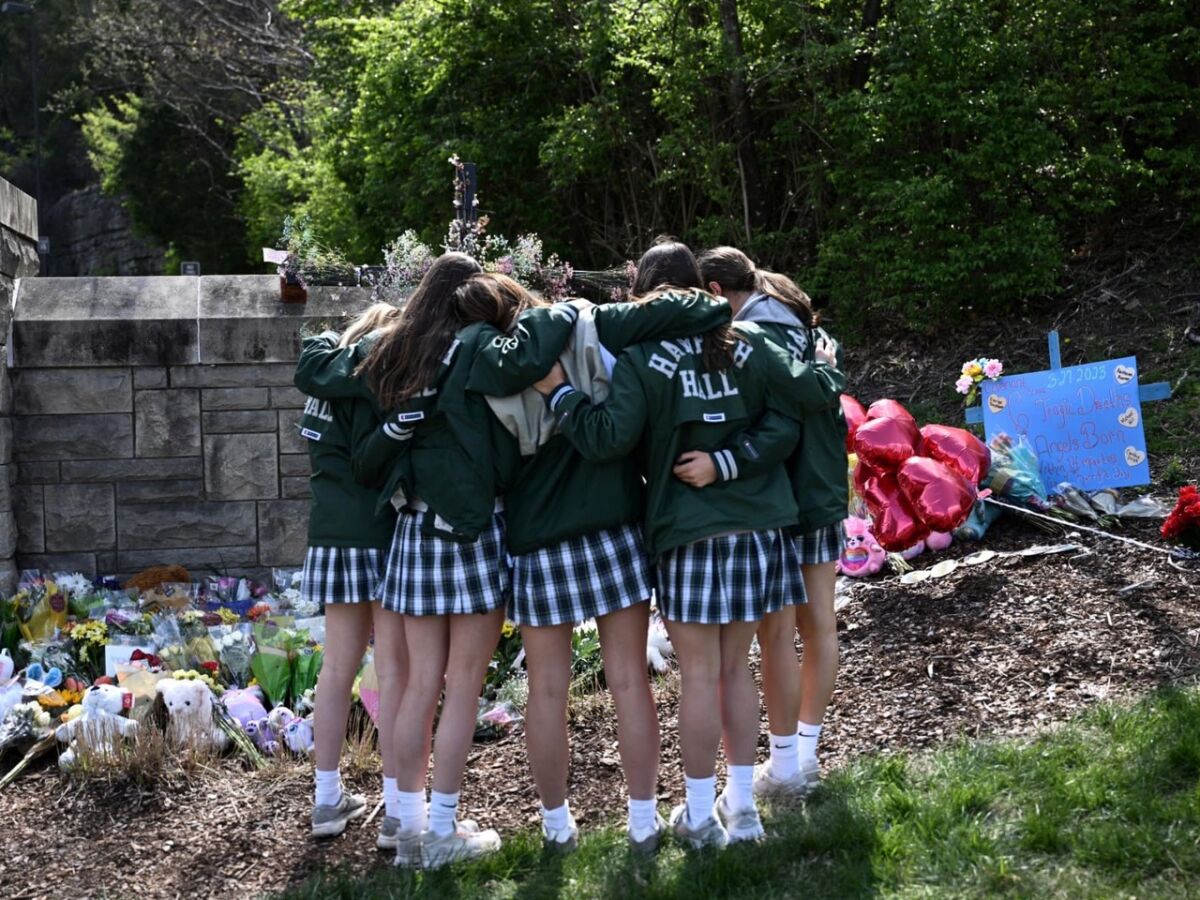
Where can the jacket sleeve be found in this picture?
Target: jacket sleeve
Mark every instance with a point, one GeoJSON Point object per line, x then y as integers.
{"type": "Point", "coordinates": [798, 389]}
{"type": "Point", "coordinates": [508, 363]}
{"type": "Point", "coordinates": [611, 430]}
{"type": "Point", "coordinates": [757, 449]}
{"type": "Point", "coordinates": [326, 371]}
{"type": "Point", "coordinates": [372, 458]}
{"type": "Point", "coordinates": [673, 314]}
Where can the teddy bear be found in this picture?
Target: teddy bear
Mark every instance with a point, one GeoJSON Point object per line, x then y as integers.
{"type": "Point", "coordinates": [244, 705]}
{"type": "Point", "coordinates": [298, 735]}
{"type": "Point", "coordinates": [99, 725]}
{"type": "Point", "coordinates": [190, 722]}
{"type": "Point", "coordinates": [658, 646]}
{"type": "Point", "coordinates": [862, 554]}
{"type": "Point", "coordinates": [264, 738]}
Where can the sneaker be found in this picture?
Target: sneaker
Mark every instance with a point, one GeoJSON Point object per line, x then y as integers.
{"type": "Point", "coordinates": [648, 845]}
{"type": "Point", "coordinates": [779, 791]}
{"type": "Point", "coordinates": [406, 843]}
{"type": "Point", "coordinates": [564, 840]}
{"type": "Point", "coordinates": [811, 770]}
{"type": "Point", "coordinates": [466, 841]}
{"type": "Point", "coordinates": [709, 833]}
{"type": "Point", "coordinates": [330, 821]}
{"type": "Point", "coordinates": [742, 824]}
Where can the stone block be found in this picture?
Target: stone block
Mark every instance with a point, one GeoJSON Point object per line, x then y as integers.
{"type": "Point", "coordinates": [104, 436]}
{"type": "Point", "coordinates": [117, 321]}
{"type": "Point", "coordinates": [6, 440]}
{"type": "Point", "coordinates": [235, 398]}
{"type": "Point", "coordinates": [6, 390]}
{"type": "Point", "coordinates": [18, 211]}
{"type": "Point", "coordinates": [132, 469]}
{"type": "Point", "coordinates": [241, 466]}
{"type": "Point", "coordinates": [239, 422]}
{"type": "Point", "coordinates": [9, 576]}
{"type": "Point", "coordinates": [287, 398]}
{"type": "Point", "coordinates": [18, 255]}
{"type": "Point", "coordinates": [242, 320]}
{"type": "Point", "coordinates": [80, 517]}
{"type": "Point", "coordinates": [282, 532]}
{"type": "Point", "coordinates": [295, 464]}
{"type": "Point", "coordinates": [160, 491]}
{"type": "Point", "coordinates": [106, 563]}
{"type": "Point", "coordinates": [162, 526]}
{"type": "Point", "coordinates": [295, 488]}
{"type": "Point", "coordinates": [289, 433]}
{"type": "Point", "coordinates": [59, 562]}
{"type": "Point", "coordinates": [267, 375]}
{"type": "Point", "coordinates": [29, 515]}
{"type": "Point", "coordinates": [8, 521]}
{"type": "Point", "coordinates": [147, 378]}
{"type": "Point", "coordinates": [67, 391]}
{"type": "Point", "coordinates": [167, 422]}
{"type": "Point", "coordinates": [37, 473]}
{"type": "Point", "coordinates": [197, 560]}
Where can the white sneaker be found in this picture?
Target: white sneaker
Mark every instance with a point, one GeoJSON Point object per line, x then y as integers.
{"type": "Point", "coordinates": [648, 845]}
{"type": "Point", "coordinates": [562, 840]}
{"type": "Point", "coordinates": [709, 833]}
{"type": "Point", "coordinates": [779, 791]}
{"type": "Point", "coordinates": [741, 824]}
{"type": "Point", "coordinates": [331, 820]}
{"type": "Point", "coordinates": [811, 770]}
{"type": "Point", "coordinates": [466, 841]}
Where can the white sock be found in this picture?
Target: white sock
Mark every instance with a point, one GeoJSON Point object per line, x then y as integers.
{"type": "Point", "coordinates": [739, 787]}
{"type": "Point", "coordinates": [411, 810]}
{"type": "Point", "coordinates": [329, 787]}
{"type": "Point", "coordinates": [442, 810]}
{"type": "Point", "coordinates": [391, 798]}
{"type": "Point", "coordinates": [808, 735]}
{"type": "Point", "coordinates": [642, 818]}
{"type": "Point", "coordinates": [557, 819]}
{"type": "Point", "coordinates": [785, 755]}
{"type": "Point", "coordinates": [701, 797]}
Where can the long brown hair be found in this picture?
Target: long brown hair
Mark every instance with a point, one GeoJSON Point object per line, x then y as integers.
{"type": "Point", "coordinates": [492, 298]}
{"type": "Point", "coordinates": [671, 265]}
{"type": "Point", "coordinates": [733, 270]}
{"type": "Point", "coordinates": [405, 359]}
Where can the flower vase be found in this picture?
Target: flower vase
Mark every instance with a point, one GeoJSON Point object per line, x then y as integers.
{"type": "Point", "coordinates": [291, 290]}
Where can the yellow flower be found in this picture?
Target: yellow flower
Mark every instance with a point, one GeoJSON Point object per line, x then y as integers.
{"type": "Point", "coordinates": [975, 370]}
{"type": "Point", "coordinates": [508, 629]}
{"type": "Point", "coordinates": [228, 616]}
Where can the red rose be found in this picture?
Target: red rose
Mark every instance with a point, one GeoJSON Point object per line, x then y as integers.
{"type": "Point", "coordinates": [1183, 524]}
{"type": "Point", "coordinates": [211, 666]}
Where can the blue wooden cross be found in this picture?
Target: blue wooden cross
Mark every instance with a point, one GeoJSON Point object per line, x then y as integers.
{"type": "Point", "coordinates": [1160, 390]}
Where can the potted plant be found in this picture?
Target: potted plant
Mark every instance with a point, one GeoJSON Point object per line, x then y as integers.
{"type": "Point", "coordinates": [309, 262]}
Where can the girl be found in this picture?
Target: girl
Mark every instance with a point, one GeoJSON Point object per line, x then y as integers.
{"type": "Point", "coordinates": [573, 530]}
{"type": "Point", "coordinates": [722, 561]}
{"type": "Point", "coordinates": [818, 477]}
{"type": "Point", "coordinates": [446, 573]}
{"type": "Point", "coordinates": [347, 537]}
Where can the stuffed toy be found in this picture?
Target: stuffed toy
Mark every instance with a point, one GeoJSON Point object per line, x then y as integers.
{"type": "Point", "coordinates": [244, 705]}
{"type": "Point", "coordinates": [862, 554]}
{"type": "Point", "coordinates": [6, 665]}
{"type": "Point", "coordinates": [264, 738]}
{"type": "Point", "coordinates": [299, 736]}
{"type": "Point", "coordinates": [190, 710]}
{"type": "Point", "coordinates": [658, 646]}
{"type": "Point", "coordinates": [40, 680]}
{"type": "Point", "coordinates": [914, 551]}
{"type": "Point", "coordinates": [99, 725]}
{"type": "Point", "coordinates": [10, 688]}
{"type": "Point", "coordinates": [938, 540]}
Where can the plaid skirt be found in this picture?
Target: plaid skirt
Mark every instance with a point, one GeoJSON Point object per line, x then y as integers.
{"type": "Point", "coordinates": [580, 578]}
{"type": "Point", "coordinates": [731, 578]}
{"type": "Point", "coordinates": [824, 545]}
{"type": "Point", "coordinates": [340, 575]}
{"type": "Point", "coordinates": [427, 575]}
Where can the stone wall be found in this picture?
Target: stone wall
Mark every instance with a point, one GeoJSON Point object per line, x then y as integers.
{"type": "Point", "coordinates": [18, 259]}
{"type": "Point", "coordinates": [91, 234]}
{"type": "Point", "coordinates": [155, 422]}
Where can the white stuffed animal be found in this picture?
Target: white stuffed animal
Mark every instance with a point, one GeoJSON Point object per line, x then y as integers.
{"type": "Point", "coordinates": [190, 708]}
{"type": "Point", "coordinates": [100, 725]}
{"type": "Point", "coordinates": [658, 646]}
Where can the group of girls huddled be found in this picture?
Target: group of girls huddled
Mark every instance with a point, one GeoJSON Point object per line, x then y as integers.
{"type": "Point", "coordinates": [479, 454]}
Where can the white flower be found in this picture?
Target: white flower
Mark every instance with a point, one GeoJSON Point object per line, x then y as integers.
{"type": "Point", "coordinates": [74, 585]}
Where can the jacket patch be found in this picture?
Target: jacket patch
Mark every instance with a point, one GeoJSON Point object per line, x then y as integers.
{"type": "Point", "coordinates": [751, 450]}
{"type": "Point", "coordinates": [310, 434]}
{"type": "Point", "coordinates": [714, 417]}
{"type": "Point", "coordinates": [410, 416]}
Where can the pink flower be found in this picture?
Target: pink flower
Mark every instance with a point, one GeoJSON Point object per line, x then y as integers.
{"type": "Point", "coordinates": [964, 384]}
{"type": "Point", "coordinates": [993, 368]}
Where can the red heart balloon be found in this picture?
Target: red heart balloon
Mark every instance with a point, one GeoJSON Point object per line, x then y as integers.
{"type": "Point", "coordinates": [886, 443]}
{"type": "Point", "coordinates": [862, 474]}
{"type": "Point", "coordinates": [940, 496]}
{"type": "Point", "coordinates": [893, 521]}
{"type": "Point", "coordinates": [890, 409]}
{"type": "Point", "coordinates": [855, 414]}
{"type": "Point", "coordinates": [959, 449]}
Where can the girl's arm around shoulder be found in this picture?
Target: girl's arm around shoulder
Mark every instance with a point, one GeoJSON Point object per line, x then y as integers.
{"type": "Point", "coordinates": [795, 389]}
{"type": "Point", "coordinates": [375, 450]}
{"type": "Point", "coordinates": [506, 364]}
{"type": "Point", "coordinates": [326, 371]}
{"type": "Point", "coordinates": [751, 452]}
{"type": "Point", "coordinates": [675, 314]}
{"type": "Point", "coordinates": [610, 430]}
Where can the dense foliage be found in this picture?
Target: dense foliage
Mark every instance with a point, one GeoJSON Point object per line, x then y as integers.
{"type": "Point", "coordinates": [915, 157]}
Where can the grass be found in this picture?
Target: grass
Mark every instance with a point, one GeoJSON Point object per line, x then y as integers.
{"type": "Point", "coordinates": [1107, 805]}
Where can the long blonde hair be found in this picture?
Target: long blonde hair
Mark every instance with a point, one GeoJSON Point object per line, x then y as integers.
{"type": "Point", "coordinates": [374, 317]}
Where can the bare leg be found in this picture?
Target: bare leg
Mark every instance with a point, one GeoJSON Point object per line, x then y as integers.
{"type": "Point", "coordinates": [623, 642]}
{"type": "Point", "coordinates": [548, 658]}
{"type": "Point", "coordinates": [472, 641]}
{"type": "Point", "coordinates": [780, 670]}
{"type": "Point", "coordinates": [391, 668]}
{"type": "Point", "coordinates": [699, 650]}
{"type": "Point", "coordinates": [818, 632]}
{"type": "Point", "coordinates": [347, 627]}
{"type": "Point", "coordinates": [739, 697]}
{"type": "Point", "coordinates": [428, 642]}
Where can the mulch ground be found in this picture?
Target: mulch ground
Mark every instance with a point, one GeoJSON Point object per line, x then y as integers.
{"type": "Point", "coordinates": [1002, 648]}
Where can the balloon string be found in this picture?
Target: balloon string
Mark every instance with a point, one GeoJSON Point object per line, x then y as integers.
{"type": "Point", "coordinates": [1058, 521]}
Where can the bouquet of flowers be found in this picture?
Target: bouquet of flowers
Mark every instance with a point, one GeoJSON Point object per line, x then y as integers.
{"type": "Point", "coordinates": [41, 607]}
{"type": "Point", "coordinates": [276, 645]}
{"type": "Point", "coordinates": [974, 371]}
{"type": "Point", "coordinates": [509, 653]}
{"type": "Point", "coordinates": [88, 639]}
{"type": "Point", "coordinates": [1183, 524]}
{"type": "Point", "coordinates": [234, 649]}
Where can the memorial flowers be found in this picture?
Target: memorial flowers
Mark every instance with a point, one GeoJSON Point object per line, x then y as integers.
{"type": "Point", "coordinates": [974, 373]}
{"type": "Point", "coordinates": [1183, 524]}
